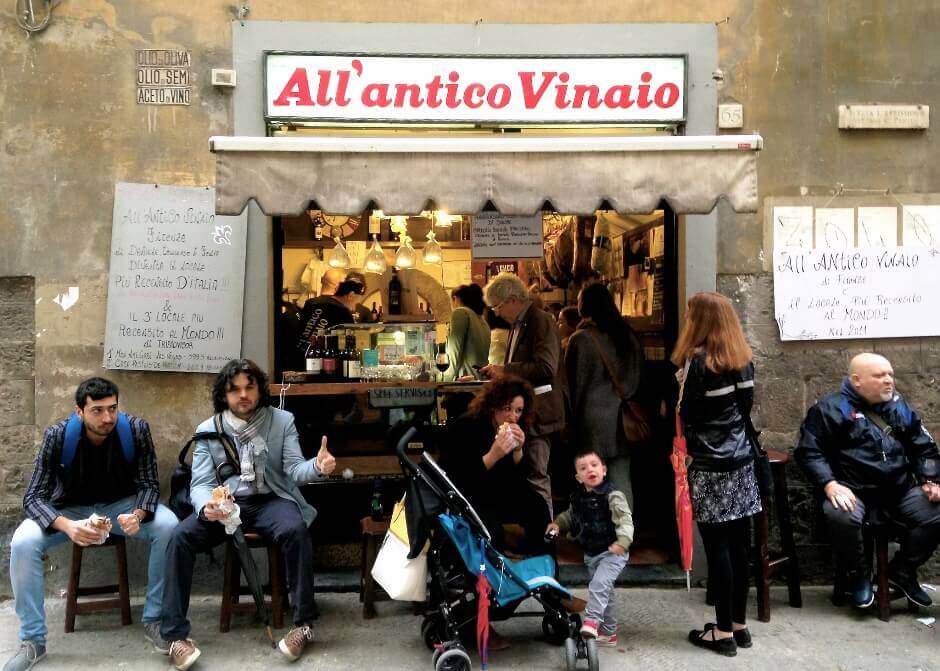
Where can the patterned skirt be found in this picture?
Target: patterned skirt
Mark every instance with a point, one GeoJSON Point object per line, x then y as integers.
{"type": "Point", "coordinates": [723, 496]}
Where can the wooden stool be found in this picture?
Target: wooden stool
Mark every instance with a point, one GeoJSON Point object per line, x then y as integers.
{"type": "Point", "coordinates": [75, 607]}
{"type": "Point", "coordinates": [232, 587]}
{"type": "Point", "coordinates": [373, 531]}
{"type": "Point", "coordinates": [766, 567]}
{"type": "Point", "coordinates": [876, 535]}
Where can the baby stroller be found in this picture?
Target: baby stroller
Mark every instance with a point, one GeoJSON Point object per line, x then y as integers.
{"type": "Point", "coordinates": [459, 551]}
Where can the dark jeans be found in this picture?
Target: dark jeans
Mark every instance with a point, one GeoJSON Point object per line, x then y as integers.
{"type": "Point", "coordinates": [273, 518]}
{"type": "Point", "coordinates": [727, 548]}
{"type": "Point", "coordinates": [912, 509]}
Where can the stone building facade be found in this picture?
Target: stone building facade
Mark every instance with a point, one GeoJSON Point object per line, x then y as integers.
{"type": "Point", "coordinates": [70, 128]}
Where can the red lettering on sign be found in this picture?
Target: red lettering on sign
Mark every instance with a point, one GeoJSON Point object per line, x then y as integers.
{"type": "Point", "coordinates": [531, 96]}
{"type": "Point", "coordinates": [298, 88]}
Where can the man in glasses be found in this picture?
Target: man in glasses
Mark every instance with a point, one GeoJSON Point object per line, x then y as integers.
{"type": "Point", "coordinates": [867, 450]}
{"type": "Point", "coordinates": [264, 479]}
{"type": "Point", "coordinates": [97, 462]}
{"type": "Point", "coordinates": [533, 352]}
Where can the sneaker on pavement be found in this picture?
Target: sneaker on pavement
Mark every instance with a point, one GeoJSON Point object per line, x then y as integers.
{"type": "Point", "coordinates": [183, 654]}
{"type": "Point", "coordinates": [28, 654]}
{"type": "Point", "coordinates": [589, 629]}
{"type": "Point", "coordinates": [861, 593]}
{"type": "Point", "coordinates": [293, 644]}
{"type": "Point", "coordinates": [911, 588]}
{"type": "Point", "coordinates": [152, 634]}
{"type": "Point", "coordinates": [607, 640]}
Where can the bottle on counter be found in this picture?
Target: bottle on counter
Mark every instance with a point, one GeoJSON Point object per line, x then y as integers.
{"type": "Point", "coordinates": [352, 368]}
{"type": "Point", "coordinates": [394, 294]}
{"type": "Point", "coordinates": [375, 313]}
{"type": "Point", "coordinates": [315, 357]}
{"type": "Point", "coordinates": [376, 511]}
{"type": "Point", "coordinates": [331, 369]}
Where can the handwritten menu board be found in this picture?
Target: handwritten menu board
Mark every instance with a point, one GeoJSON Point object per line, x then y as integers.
{"type": "Point", "coordinates": [495, 236]}
{"type": "Point", "coordinates": [856, 281]}
{"type": "Point", "coordinates": [176, 282]}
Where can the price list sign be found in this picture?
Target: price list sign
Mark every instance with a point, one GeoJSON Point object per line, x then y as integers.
{"type": "Point", "coordinates": [176, 281]}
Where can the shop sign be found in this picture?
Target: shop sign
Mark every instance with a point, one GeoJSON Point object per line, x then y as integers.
{"type": "Point", "coordinates": [496, 267]}
{"type": "Point", "coordinates": [401, 397]}
{"type": "Point", "coordinates": [452, 89]}
{"type": "Point", "coordinates": [164, 77]}
{"type": "Point", "coordinates": [884, 117]}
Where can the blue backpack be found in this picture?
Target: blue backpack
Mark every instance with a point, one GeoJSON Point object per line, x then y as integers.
{"type": "Point", "coordinates": [73, 434]}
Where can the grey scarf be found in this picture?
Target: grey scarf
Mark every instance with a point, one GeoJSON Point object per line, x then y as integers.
{"type": "Point", "coordinates": [252, 448]}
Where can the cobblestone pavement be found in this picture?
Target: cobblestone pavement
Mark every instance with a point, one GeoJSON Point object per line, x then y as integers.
{"type": "Point", "coordinates": [654, 624]}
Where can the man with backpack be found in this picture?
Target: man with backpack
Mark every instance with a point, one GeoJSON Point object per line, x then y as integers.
{"type": "Point", "coordinates": [99, 462]}
{"type": "Point", "coordinates": [257, 457]}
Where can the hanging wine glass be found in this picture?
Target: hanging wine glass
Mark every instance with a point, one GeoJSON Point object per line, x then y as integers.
{"type": "Point", "coordinates": [339, 257]}
{"type": "Point", "coordinates": [375, 259]}
{"type": "Point", "coordinates": [432, 251]}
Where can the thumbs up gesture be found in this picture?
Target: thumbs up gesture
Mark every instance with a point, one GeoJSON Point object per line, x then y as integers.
{"type": "Point", "coordinates": [325, 462]}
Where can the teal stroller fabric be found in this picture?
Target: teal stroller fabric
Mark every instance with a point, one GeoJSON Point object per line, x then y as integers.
{"type": "Point", "coordinates": [510, 580]}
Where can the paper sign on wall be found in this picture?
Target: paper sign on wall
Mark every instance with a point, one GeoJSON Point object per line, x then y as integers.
{"type": "Point", "coordinates": [921, 225]}
{"type": "Point", "coordinates": [793, 227]}
{"type": "Point", "coordinates": [877, 226]}
{"type": "Point", "coordinates": [856, 293]}
{"type": "Point", "coordinates": [496, 236]}
{"type": "Point", "coordinates": [176, 281]}
{"type": "Point", "coordinates": [835, 228]}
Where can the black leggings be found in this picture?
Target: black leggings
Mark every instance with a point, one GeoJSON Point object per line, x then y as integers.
{"type": "Point", "coordinates": [727, 549]}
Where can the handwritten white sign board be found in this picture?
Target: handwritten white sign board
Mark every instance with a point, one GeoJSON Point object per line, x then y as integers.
{"type": "Point", "coordinates": [176, 283]}
{"type": "Point", "coordinates": [824, 294]}
{"type": "Point", "coordinates": [495, 236]}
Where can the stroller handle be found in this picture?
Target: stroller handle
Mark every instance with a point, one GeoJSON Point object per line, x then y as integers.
{"type": "Point", "coordinates": [406, 463]}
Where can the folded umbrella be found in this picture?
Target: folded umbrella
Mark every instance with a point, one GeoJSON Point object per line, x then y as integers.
{"type": "Point", "coordinates": [252, 576]}
{"type": "Point", "coordinates": [483, 610]}
{"type": "Point", "coordinates": [683, 503]}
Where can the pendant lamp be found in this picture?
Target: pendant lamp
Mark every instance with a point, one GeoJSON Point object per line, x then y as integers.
{"type": "Point", "coordinates": [375, 259]}
{"type": "Point", "coordinates": [432, 251]}
{"type": "Point", "coordinates": [405, 257]}
{"type": "Point", "coordinates": [339, 257]}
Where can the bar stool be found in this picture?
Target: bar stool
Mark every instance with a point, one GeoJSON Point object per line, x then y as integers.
{"type": "Point", "coordinates": [373, 531]}
{"type": "Point", "coordinates": [232, 587]}
{"type": "Point", "coordinates": [75, 607]}
{"type": "Point", "coordinates": [766, 567]}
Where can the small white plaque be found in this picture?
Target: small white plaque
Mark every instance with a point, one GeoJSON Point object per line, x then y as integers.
{"type": "Point", "coordinates": [731, 115]}
{"type": "Point", "coordinates": [884, 117]}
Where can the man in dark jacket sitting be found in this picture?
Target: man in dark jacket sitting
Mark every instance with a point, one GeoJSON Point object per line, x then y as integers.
{"type": "Point", "coordinates": [865, 448]}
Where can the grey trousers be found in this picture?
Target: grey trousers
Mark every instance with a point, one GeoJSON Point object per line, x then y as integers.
{"type": "Point", "coordinates": [537, 450]}
{"type": "Point", "coordinates": [914, 510]}
{"type": "Point", "coordinates": [603, 569]}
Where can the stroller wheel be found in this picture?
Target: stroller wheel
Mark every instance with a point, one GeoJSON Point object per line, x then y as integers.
{"type": "Point", "coordinates": [571, 654]}
{"type": "Point", "coordinates": [455, 659]}
{"type": "Point", "coordinates": [555, 628]}
{"type": "Point", "coordinates": [593, 662]}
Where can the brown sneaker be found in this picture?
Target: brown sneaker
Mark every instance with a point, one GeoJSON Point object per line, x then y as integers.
{"type": "Point", "coordinates": [183, 654]}
{"type": "Point", "coordinates": [293, 644]}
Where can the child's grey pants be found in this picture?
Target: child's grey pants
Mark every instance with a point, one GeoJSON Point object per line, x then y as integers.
{"type": "Point", "coordinates": [603, 570]}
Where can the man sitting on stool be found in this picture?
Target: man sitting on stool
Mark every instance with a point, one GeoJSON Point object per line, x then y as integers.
{"type": "Point", "coordinates": [98, 461]}
{"type": "Point", "coordinates": [864, 447]}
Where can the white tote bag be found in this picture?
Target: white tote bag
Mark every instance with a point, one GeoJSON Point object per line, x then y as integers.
{"type": "Point", "coordinates": [402, 579]}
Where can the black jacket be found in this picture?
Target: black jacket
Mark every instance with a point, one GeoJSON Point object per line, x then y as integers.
{"type": "Point", "coordinates": [714, 427]}
{"type": "Point", "coordinates": [838, 442]}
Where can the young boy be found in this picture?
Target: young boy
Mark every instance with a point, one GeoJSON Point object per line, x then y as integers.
{"type": "Point", "coordinates": [599, 518]}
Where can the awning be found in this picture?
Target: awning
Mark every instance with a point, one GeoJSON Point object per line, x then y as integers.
{"type": "Point", "coordinates": [517, 174]}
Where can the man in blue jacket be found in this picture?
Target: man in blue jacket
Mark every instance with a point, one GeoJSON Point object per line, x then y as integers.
{"type": "Point", "coordinates": [264, 482]}
{"type": "Point", "coordinates": [865, 448]}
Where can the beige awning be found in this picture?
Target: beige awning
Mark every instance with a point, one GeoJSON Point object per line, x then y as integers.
{"type": "Point", "coordinates": [517, 174]}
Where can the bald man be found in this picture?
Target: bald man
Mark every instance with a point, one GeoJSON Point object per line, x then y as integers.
{"type": "Point", "coordinates": [865, 448]}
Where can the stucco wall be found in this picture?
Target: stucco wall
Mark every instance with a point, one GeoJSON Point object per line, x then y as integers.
{"type": "Point", "coordinates": [70, 128]}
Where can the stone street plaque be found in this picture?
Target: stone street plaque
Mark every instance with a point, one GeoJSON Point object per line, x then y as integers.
{"type": "Point", "coordinates": [164, 77]}
{"type": "Point", "coordinates": [884, 117]}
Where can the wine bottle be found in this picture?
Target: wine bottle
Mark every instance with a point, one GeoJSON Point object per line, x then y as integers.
{"type": "Point", "coordinates": [394, 294]}
{"type": "Point", "coordinates": [330, 356]}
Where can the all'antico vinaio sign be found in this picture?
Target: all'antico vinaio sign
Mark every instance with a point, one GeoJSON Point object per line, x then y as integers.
{"type": "Point", "coordinates": [425, 89]}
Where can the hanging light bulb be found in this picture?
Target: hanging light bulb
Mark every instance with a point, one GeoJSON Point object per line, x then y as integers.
{"type": "Point", "coordinates": [406, 257]}
{"type": "Point", "coordinates": [339, 257]}
{"type": "Point", "coordinates": [375, 259]}
{"type": "Point", "coordinates": [442, 219]}
{"type": "Point", "coordinates": [432, 251]}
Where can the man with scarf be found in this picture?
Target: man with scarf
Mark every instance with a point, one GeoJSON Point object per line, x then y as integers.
{"type": "Point", "coordinates": [867, 450]}
{"type": "Point", "coordinates": [264, 483]}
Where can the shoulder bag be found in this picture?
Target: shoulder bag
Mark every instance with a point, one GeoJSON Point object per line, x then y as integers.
{"type": "Point", "coordinates": [762, 472]}
{"type": "Point", "coordinates": [636, 425]}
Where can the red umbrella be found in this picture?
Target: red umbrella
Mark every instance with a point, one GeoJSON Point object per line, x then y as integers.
{"type": "Point", "coordinates": [483, 611]}
{"type": "Point", "coordinates": [683, 504]}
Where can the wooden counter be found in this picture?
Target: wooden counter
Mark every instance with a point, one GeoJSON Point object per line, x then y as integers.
{"type": "Point", "coordinates": [339, 388]}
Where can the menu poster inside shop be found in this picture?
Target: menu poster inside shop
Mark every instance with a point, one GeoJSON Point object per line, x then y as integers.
{"type": "Point", "coordinates": [496, 236]}
{"type": "Point", "coordinates": [176, 281]}
{"type": "Point", "coordinates": [452, 89]}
